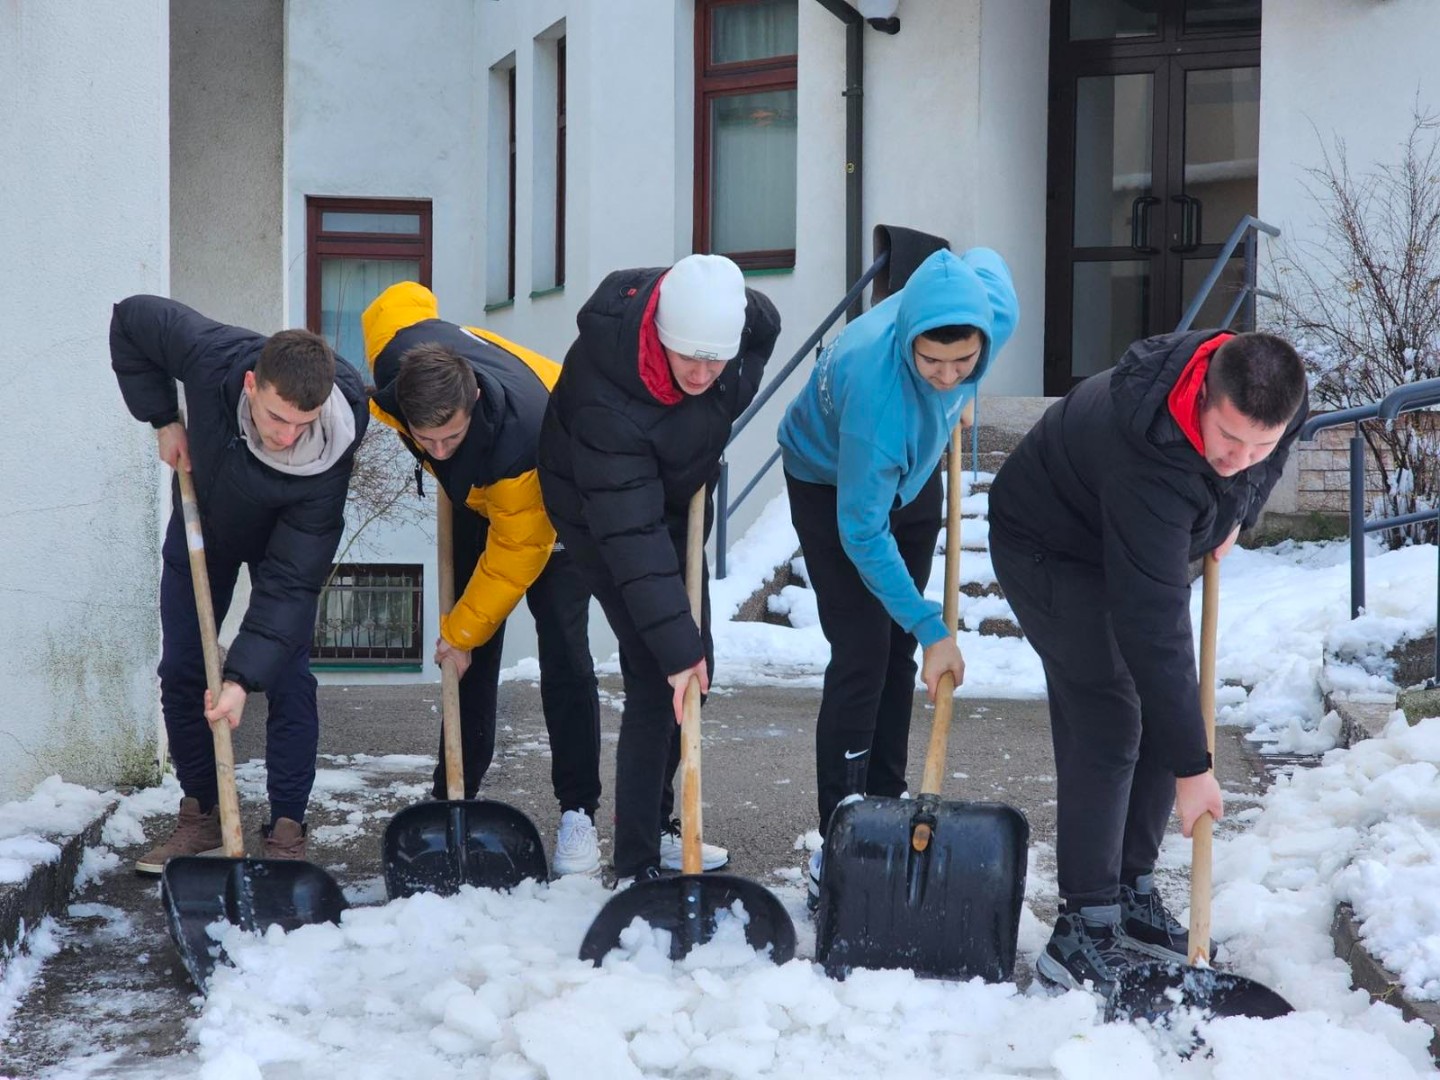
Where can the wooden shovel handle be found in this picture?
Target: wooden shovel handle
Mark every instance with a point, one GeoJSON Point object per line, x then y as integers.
{"type": "Point", "coordinates": [231, 837]}
{"type": "Point", "coordinates": [1202, 834]}
{"type": "Point", "coordinates": [449, 680]}
{"type": "Point", "coordinates": [944, 695]}
{"type": "Point", "coordinates": [934, 774]}
{"type": "Point", "coordinates": [690, 822]}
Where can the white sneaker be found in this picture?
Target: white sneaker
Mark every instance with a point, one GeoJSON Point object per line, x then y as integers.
{"type": "Point", "coordinates": [711, 856]}
{"type": "Point", "coordinates": [812, 879]}
{"type": "Point", "coordinates": [577, 845]}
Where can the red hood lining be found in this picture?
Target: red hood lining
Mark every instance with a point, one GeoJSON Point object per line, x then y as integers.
{"type": "Point", "coordinates": [1185, 396]}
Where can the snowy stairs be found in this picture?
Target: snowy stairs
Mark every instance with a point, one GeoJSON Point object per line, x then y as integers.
{"type": "Point", "coordinates": [982, 604]}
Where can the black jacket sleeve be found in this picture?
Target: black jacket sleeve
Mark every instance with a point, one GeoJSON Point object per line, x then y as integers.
{"type": "Point", "coordinates": [154, 342]}
{"type": "Point", "coordinates": [1146, 528]}
{"type": "Point", "coordinates": [623, 499]}
{"type": "Point", "coordinates": [762, 329]}
{"type": "Point", "coordinates": [286, 582]}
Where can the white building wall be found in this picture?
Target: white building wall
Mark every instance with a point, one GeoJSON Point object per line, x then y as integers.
{"type": "Point", "coordinates": [1346, 69]}
{"type": "Point", "coordinates": [85, 176]}
{"type": "Point", "coordinates": [383, 106]}
{"type": "Point", "coordinates": [1010, 185]}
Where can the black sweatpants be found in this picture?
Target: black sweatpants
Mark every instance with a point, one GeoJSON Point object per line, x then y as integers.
{"type": "Point", "coordinates": [569, 694]}
{"type": "Point", "coordinates": [292, 725]}
{"type": "Point", "coordinates": [862, 737]}
{"type": "Point", "coordinates": [649, 749]}
{"type": "Point", "coordinates": [1113, 796]}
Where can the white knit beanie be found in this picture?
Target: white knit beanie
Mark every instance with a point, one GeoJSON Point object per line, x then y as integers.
{"type": "Point", "coordinates": [702, 307]}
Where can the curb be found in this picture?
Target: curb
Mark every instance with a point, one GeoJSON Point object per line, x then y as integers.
{"type": "Point", "coordinates": [1363, 716]}
{"type": "Point", "coordinates": [1368, 974]}
{"type": "Point", "coordinates": [47, 890]}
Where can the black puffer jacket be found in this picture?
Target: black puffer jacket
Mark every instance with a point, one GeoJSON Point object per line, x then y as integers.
{"type": "Point", "coordinates": [285, 527]}
{"type": "Point", "coordinates": [1108, 479]}
{"type": "Point", "coordinates": [618, 465]}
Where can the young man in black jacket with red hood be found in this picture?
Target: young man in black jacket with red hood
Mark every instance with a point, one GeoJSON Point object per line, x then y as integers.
{"type": "Point", "coordinates": [271, 429]}
{"type": "Point", "coordinates": [665, 362]}
{"type": "Point", "coordinates": [1094, 521]}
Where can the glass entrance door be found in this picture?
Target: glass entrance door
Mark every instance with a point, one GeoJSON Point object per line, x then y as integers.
{"type": "Point", "coordinates": [1154, 137]}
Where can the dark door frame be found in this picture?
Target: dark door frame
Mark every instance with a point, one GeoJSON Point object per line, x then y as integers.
{"type": "Point", "coordinates": [1168, 55]}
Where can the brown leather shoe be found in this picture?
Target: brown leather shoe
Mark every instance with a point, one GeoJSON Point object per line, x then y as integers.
{"type": "Point", "coordinates": [195, 834]}
{"type": "Point", "coordinates": [284, 840]}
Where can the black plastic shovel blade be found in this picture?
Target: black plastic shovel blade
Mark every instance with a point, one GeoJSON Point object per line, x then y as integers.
{"type": "Point", "coordinates": [439, 846]}
{"type": "Point", "coordinates": [688, 905]}
{"type": "Point", "coordinates": [1153, 990]}
{"type": "Point", "coordinates": [251, 893]}
{"type": "Point", "coordinates": [951, 911]}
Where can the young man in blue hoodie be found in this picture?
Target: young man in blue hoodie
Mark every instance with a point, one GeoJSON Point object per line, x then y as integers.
{"type": "Point", "coordinates": [861, 446]}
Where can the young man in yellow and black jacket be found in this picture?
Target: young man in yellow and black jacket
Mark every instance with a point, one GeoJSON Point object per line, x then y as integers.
{"type": "Point", "coordinates": [469, 405]}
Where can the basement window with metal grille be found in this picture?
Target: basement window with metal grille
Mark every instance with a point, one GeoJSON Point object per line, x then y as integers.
{"type": "Point", "coordinates": [370, 615]}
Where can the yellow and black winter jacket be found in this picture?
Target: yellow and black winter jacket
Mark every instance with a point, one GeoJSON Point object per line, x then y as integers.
{"type": "Point", "coordinates": [493, 471]}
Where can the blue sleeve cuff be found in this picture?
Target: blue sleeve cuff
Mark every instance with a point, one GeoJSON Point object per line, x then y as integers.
{"type": "Point", "coordinates": [931, 630]}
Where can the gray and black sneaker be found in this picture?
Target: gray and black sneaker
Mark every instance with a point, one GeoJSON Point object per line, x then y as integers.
{"type": "Point", "coordinates": [1147, 927]}
{"type": "Point", "coordinates": [1084, 952]}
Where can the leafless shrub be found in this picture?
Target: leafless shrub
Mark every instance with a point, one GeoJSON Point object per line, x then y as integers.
{"type": "Point", "coordinates": [1362, 304]}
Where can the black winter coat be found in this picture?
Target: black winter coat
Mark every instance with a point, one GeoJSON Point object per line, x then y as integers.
{"type": "Point", "coordinates": [618, 467]}
{"type": "Point", "coordinates": [1108, 479]}
{"type": "Point", "coordinates": [285, 527]}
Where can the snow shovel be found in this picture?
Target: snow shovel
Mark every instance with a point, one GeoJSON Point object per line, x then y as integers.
{"type": "Point", "coordinates": [925, 884]}
{"type": "Point", "coordinates": [439, 846]}
{"type": "Point", "coordinates": [251, 893]}
{"type": "Point", "coordinates": [691, 904]}
{"type": "Point", "coordinates": [1154, 989]}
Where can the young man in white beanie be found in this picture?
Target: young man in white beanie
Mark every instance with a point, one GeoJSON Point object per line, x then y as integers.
{"type": "Point", "coordinates": [665, 362]}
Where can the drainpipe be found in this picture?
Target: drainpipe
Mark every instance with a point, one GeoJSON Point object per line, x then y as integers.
{"type": "Point", "coordinates": [854, 137]}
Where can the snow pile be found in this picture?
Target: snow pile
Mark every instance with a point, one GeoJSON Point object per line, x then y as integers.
{"type": "Point", "coordinates": [1362, 827]}
{"type": "Point", "coordinates": [487, 985]}
{"type": "Point", "coordinates": [55, 810]}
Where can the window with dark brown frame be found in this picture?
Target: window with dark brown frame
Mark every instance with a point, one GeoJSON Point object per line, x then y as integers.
{"type": "Point", "coordinates": [560, 162]}
{"type": "Point", "coordinates": [745, 130]}
{"type": "Point", "coordinates": [370, 613]}
{"type": "Point", "coordinates": [354, 250]}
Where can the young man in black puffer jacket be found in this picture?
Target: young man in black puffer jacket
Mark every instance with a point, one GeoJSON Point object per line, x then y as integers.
{"type": "Point", "coordinates": [665, 362]}
{"type": "Point", "coordinates": [1094, 520]}
{"type": "Point", "coordinates": [272, 425]}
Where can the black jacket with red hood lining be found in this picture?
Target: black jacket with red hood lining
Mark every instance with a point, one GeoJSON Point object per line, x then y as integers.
{"type": "Point", "coordinates": [622, 451]}
{"type": "Point", "coordinates": [1110, 479]}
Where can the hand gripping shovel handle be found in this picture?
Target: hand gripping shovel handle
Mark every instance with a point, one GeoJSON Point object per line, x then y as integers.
{"type": "Point", "coordinates": [229, 799]}
{"type": "Point", "coordinates": [690, 823]}
{"type": "Point", "coordinates": [1202, 833]}
{"type": "Point", "coordinates": [449, 681]}
{"type": "Point", "coordinates": [934, 773]}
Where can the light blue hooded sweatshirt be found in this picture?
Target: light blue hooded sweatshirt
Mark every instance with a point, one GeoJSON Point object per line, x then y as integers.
{"type": "Point", "coordinates": [869, 425]}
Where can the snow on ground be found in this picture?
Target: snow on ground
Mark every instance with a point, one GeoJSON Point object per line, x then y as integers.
{"type": "Point", "coordinates": [487, 985]}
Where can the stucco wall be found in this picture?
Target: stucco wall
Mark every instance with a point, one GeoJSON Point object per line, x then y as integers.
{"type": "Point", "coordinates": [1352, 70]}
{"type": "Point", "coordinates": [226, 158]}
{"type": "Point", "coordinates": [85, 174]}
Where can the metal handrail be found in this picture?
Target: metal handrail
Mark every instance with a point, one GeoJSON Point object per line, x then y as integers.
{"type": "Point", "coordinates": [1407, 398]}
{"type": "Point", "coordinates": [723, 507]}
{"type": "Point", "coordinates": [1245, 229]}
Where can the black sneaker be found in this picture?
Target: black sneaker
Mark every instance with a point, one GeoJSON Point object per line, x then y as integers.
{"type": "Point", "coordinates": [1147, 927]}
{"type": "Point", "coordinates": [1084, 952]}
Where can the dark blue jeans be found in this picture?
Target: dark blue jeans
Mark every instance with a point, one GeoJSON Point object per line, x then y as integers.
{"type": "Point", "coordinates": [569, 694]}
{"type": "Point", "coordinates": [292, 728]}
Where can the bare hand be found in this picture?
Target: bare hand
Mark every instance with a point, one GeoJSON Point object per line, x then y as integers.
{"type": "Point", "coordinates": [459, 657]}
{"type": "Point", "coordinates": [232, 705]}
{"type": "Point", "coordinates": [1224, 549]}
{"type": "Point", "coordinates": [681, 679]}
{"type": "Point", "coordinates": [1194, 795]}
{"type": "Point", "coordinates": [174, 446]}
{"type": "Point", "coordinates": [941, 657]}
